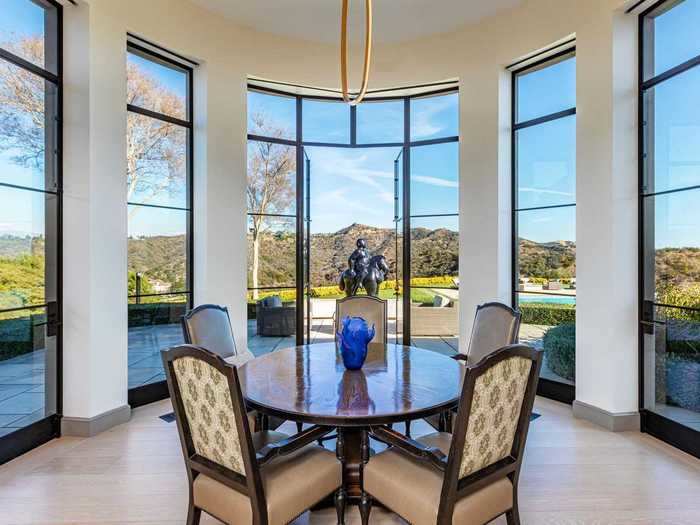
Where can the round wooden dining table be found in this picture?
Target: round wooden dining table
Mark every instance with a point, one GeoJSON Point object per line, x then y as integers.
{"type": "Point", "coordinates": [310, 384]}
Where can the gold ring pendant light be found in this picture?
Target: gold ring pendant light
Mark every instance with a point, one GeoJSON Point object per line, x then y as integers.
{"type": "Point", "coordinates": [344, 53]}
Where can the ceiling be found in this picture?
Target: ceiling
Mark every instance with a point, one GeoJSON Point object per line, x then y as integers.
{"type": "Point", "coordinates": [319, 20]}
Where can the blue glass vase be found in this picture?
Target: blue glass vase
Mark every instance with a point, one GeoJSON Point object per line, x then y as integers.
{"type": "Point", "coordinates": [353, 338]}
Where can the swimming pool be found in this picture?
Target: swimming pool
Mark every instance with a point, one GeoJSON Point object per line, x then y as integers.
{"type": "Point", "coordinates": [552, 299]}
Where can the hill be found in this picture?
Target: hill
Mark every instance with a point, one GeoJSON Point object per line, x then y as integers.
{"type": "Point", "coordinates": [435, 253]}
{"type": "Point", "coordinates": [549, 260]}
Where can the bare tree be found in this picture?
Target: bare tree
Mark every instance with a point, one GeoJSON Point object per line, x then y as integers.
{"type": "Point", "coordinates": [22, 120]}
{"type": "Point", "coordinates": [270, 188]}
{"type": "Point", "coordinates": [156, 150]}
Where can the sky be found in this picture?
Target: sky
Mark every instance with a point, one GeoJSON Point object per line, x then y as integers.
{"type": "Point", "coordinates": [546, 154]}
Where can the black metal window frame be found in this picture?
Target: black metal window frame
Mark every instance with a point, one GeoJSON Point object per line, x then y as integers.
{"type": "Point", "coordinates": [558, 391]}
{"type": "Point", "coordinates": [657, 425]}
{"type": "Point", "coordinates": [406, 145]}
{"type": "Point", "coordinates": [148, 393]}
{"type": "Point", "coordinates": [40, 432]}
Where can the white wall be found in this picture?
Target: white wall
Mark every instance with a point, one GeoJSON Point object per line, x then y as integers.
{"type": "Point", "coordinates": [228, 54]}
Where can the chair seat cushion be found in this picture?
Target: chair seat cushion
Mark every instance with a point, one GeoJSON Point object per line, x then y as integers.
{"type": "Point", "coordinates": [292, 484]}
{"type": "Point", "coordinates": [412, 488]}
{"type": "Point", "coordinates": [240, 359]}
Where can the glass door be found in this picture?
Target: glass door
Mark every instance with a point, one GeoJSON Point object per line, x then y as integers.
{"type": "Point", "coordinates": [670, 225]}
{"type": "Point", "coordinates": [30, 202]}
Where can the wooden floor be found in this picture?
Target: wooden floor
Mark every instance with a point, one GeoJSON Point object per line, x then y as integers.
{"type": "Point", "coordinates": [574, 473]}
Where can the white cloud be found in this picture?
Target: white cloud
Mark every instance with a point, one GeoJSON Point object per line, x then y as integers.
{"type": "Point", "coordinates": [435, 181]}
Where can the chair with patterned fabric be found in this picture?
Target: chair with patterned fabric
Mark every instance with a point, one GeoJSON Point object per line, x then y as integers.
{"type": "Point", "coordinates": [469, 477]}
{"type": "Point", "coordinates": [209, 326]}
{"type": "Point", "coordinates": [495, 326]}
{"type": "Point", "coordinates": [236, 475]}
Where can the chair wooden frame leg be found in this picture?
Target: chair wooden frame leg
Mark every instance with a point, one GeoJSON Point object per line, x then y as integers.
{"type": "Point", "coordinates": [340, 502]}
{"type": "Point", "coordinates": [513, 515]}
{"type": "Point", "coordinates": [365, 507]}
{"type": "Point", "coordinates": [193, 514]}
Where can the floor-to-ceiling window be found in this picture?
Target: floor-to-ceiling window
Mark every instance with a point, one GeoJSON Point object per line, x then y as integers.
{"type": "Point", "coordinates": [670, 222]}
{"type": "Point", "coordinates": [271, 197]}
{"type": "Point", "coordinates": [433, 221]}
{"type": "Point", "coordinates": [159, 201]}
{"type": "Point", "coordinates": [30, 232]}
{"type": "Point", "coordinates": [323, 174]}
{"type": "Point", "coordinates": [544, 215]}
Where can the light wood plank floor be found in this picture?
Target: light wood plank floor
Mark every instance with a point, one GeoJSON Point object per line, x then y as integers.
{"type": "Point", "coordinates": [574, 473]}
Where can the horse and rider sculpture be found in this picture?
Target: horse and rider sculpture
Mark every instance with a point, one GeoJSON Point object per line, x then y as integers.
{"type": "Point", "coordinates": [364, 271]}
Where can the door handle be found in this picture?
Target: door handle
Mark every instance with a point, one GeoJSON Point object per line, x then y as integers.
{"type": "Point", "coordinates": [52, 322]}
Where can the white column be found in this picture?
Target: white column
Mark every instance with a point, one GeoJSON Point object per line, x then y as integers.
{"type": "Point", "coordinates": [606, 220]}
{"type": "Point", "coordinates": [484, 187]}
{"type": "Point", "coordinates": [95, 223]}
{"type": "Point", "coordinates": [219, 192]}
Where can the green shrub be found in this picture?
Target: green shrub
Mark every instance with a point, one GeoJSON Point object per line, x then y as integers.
{"type": "Point", "coordinates": [287, 296]}
{"type": "Point", "coordinates": [149, 314]}
{"type": "Point", "coordinates": [444, 281]}
{"type": "Point", "coordinates": [326, 292]}
{"type": "Point", "coordinates": [687, 296]}
{"type": "Point", "coordinates": [550, 314]}
{"type": "Point", "coordinates": [560, 350]}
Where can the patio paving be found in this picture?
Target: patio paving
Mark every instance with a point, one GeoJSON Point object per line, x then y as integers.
{"type": "Point", "coordinates": [22, 378]}
{"type": "Point", "coordinates": [21, 391]}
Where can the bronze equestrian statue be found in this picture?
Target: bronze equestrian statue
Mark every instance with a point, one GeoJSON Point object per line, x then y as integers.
{"type": "Point", "coordinates": [363, 271]}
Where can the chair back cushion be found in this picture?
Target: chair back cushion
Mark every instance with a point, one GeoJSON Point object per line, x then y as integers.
{"type": "Point", "coordinates": [206, 397]}
{"type": "Point", "coordinates": [495, 326]}
{"type": "Point", "coordinates": [498, 398]}
{"type": "Point", "coordinates": [209, 326]}
{"type": "Point", "coordinates": [371, 309]}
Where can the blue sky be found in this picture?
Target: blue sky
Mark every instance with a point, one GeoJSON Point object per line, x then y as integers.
{"type": "Point", "coordinates": [20, 18]}
{"type": "Point", "coordinates": [357, 185]}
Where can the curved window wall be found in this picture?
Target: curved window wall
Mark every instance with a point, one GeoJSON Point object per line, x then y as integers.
{"type": "Point", "coordinates": [321, 175]}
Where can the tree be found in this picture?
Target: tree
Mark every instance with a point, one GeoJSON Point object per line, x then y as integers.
{"type": "Point", "coordinates": [155, 153]}
{"type": "Point", "coordinates": [22, 120]}
{"type": "Point", "coordinates": [270, 188]}
{"type": "Point", "coordinates": [156, 150]}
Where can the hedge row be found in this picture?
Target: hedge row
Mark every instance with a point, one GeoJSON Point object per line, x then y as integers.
{"type": "Point", "coordinates": [560, 350]}
{"type": "Point", "coordinates": [21, 335]}
{"type": "Point", "coordinates": [150, 314]}
{"type": "Point", "coordinates": [550, 314]}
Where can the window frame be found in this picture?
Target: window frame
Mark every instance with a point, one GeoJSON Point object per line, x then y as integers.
{"type": "Point", "coordinates": [406, 145]}
{"type": "Point", "coordinates": [651, 422]}
{"type": "Point", "coordinates": [35, 434]}
{"type": "Point", "coordinates": [150, 392]}
{"type": "Point", "coordinates": [548, 388]}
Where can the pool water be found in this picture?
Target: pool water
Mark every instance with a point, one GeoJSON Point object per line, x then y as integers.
{"type": "Point", "coordinates": [552, 299]}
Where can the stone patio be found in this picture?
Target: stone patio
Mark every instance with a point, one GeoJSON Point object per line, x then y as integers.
{"type": "Point", "coordinates": [22, 378]}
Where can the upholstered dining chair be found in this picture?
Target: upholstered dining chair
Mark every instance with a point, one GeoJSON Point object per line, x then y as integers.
{"type": "Point", "coordinates": [236, 475]}
{"type": "Point", "coordinates": [468, 477]}
{"type": "Point", "coordinates": [495, 325]}
{"type": "Point", "coordinates": [209, 326]}
{"type": "Point", "coordinates": [371, 309]}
